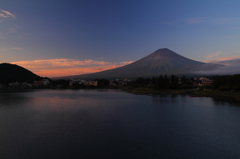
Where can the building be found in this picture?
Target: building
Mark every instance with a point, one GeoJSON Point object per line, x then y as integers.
{"type": "Point", "coordinates": [205, 81]}
{"type": "Point", "coordinates": [90, 83]}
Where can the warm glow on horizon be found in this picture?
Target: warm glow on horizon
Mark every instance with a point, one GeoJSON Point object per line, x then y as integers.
{"type": "Point", "coordinates": [228, 58]}
{"type": "Point", "coordinates": [218, 56]}
{"type": "Point", "coordinates": [67, 67]}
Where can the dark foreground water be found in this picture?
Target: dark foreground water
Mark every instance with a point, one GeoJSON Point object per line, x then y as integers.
{"type": "Point", "coordinates": [113, 124]}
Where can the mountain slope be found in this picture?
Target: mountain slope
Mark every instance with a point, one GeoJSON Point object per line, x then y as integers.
{"type": "Point", "coordinates": [160, 62]}
{"type": "Point", "coordinates": [12, 73]}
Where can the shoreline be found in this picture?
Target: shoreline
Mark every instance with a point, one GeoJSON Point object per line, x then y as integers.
{"type": "Point", "coordinates": [190, 92]}
{"type": "Point", "coordinates": [149, 91]}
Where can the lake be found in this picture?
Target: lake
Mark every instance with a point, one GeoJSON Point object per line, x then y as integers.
{"type": "Point", "coordinates": [115, 124]}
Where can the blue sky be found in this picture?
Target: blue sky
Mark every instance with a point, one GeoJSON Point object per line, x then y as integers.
{"type": "Point", "coordinates": [57, 38]}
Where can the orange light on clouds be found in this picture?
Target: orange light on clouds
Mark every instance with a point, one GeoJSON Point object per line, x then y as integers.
{"type": "Point", "coordinates": [229, 58]}
{"type": "Point", "coordinates": [218, 56]}
{"type": "Point", "coordinates": [67, 67]}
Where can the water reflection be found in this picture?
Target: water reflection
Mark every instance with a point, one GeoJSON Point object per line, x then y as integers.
{"type": "Point", "coordinates": [8, 100]}
{"type": "Point", "coordinates": [217, 101]}
{"type": "Point", "coordinates": [115, 124]}
{"type": "Point", "coordinates": [163, 99]}
{"type": "Point", "coordinates": [226, 102]}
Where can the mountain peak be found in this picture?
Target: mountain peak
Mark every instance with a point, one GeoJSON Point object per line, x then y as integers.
{"type": "Point", "coordinates": [164, 49]}
{"type": "Point", "coordinates": [164, 54]}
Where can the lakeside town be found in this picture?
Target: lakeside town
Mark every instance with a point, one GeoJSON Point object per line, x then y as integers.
{"type": "Point", "coordinates": [225, 85]}
{"type": "Point", "coordinates": [79, 83]}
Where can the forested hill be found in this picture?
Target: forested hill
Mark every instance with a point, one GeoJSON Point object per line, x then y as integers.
{"type": "Point", "coordinates": [12, 73]}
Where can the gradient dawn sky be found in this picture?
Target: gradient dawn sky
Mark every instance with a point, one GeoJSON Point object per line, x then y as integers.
{"type": "Point", "coordinates": [59, 38]}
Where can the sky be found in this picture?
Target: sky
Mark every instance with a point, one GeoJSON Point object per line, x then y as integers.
{"type": "Point", "coordinates": [59, 38]}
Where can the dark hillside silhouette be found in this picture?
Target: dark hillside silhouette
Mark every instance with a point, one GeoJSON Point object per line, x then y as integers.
{"type": "Point", "coordinates": [14, 73]}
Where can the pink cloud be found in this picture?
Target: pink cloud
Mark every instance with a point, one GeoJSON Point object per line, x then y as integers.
{"type": "Point", "coordinates": [6, 14]}
{"type": "Point", "coordinates": [67, 67]}
{"type": "Point", "coordinates": [228, 58]}
{"type": "Point", "coordinates": [9, 49]}
{"type": "Point", "coordinates": [213, 57]}
{"type": "Point", "coordinates": [17, 48]}
{"type": "Point", "coordinates": [218, 56]}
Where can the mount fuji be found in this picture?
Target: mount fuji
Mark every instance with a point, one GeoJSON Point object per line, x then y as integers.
{"type": "Point", "coordinates": [161, 62]}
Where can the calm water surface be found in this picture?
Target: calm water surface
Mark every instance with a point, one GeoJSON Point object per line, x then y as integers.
{"type": "Point", "coordinates": [115, 124]}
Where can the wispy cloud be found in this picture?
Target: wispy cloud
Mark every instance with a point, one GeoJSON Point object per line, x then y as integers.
{"type": "Point", "coordinates": [231, 66]}
{"type": "Point", "coordinates": [229, 58]}
{"type": "Point", "coordinates": [226, 20]}
{"type": "Point", "coordinates": [6, 15]}
{"type": "Point", "coordinates": [213, 56]}
{"type": "Point", "coordinates": [199, 20]}
{"type": "Point", "coordinates": [187, 21]}
{"type": "Point", "coordinates": [195, 20]}
{"type": "Point", "coordinates": [218, 56]}
{"type": "Point", "coordinates": [10, 49]}
{"type": "Point", "coordinates": [171, 22]}
{"type": "Point", "coordinates": [12, 30]}
{"type": "Point", "coordinates": [17, 48]}
{"type": "Point", "coordinates": [66, 67]}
